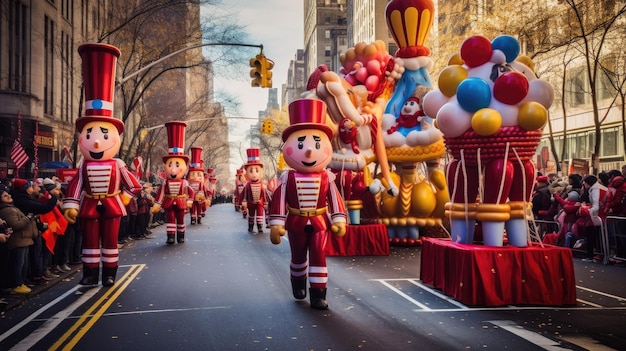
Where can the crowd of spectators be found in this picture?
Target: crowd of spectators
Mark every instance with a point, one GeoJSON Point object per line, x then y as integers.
{"type": "Point", "coordinates": [37, 244]}
{"type": "Point", "coordinates": [580, 206]}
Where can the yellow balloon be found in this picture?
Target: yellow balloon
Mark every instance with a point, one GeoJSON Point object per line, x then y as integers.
{"type": "Point", "coordinates": [526, 61]}
{"type": "Point", "coordinates": [486, 121]}
{"type": "Point", "coordinates": [532, 115]}
{"type": "Point", "coordinates": [450, 78]}
{"type": "Point", "coordinates": [455, 59]}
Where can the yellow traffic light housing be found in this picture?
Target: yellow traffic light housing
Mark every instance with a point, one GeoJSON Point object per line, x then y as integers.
{"type": "Point", "coordinates": [267, 127]}
{"type": "Point", "coordinates": [267, 72]}
{"type": "Point", "coordinates": [256, 73]}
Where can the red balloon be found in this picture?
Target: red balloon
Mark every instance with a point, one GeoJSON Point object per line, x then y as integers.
{"type": "Point", "coordinates": [476, 51]}
{"type": "Point", "coordinates": [510, 88]}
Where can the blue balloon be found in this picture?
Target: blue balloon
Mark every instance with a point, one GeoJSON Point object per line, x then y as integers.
{"type": "Point", "coordinates": [508, 45]}
{"type": "Point", "coordinates": [473, 94]}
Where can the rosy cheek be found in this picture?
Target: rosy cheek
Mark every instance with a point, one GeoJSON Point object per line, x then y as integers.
{"type": "Point", "coordinates": [288, 150]}
{"type": "Point", "coordinates": [327, 150]}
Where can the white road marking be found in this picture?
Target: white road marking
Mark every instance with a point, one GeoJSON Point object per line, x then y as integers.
{"type": "Point", "coordinates": [440, 295]}
{"type": "Point", "coordinates": [618, 298]}
{"type": "Point", "coordinates": [407, 297]}
{"type": "Point", "coordinates": [37, 313]}
{"type": "Point", "coordinates": [38, 334]}
{"type": "Point", "coordinates": [532, 337]}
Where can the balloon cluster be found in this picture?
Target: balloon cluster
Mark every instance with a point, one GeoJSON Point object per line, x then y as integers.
{"type": "Point", "coordinates": [484, 88]}
{"type": "Point", "coordinates": [366, 64]}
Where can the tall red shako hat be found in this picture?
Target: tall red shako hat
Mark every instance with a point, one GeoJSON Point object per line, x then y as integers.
{"type": "Point", "coordinates": [98, 67]}
{"type": "Point", "coordinates": [254, 157]}
{"type": "Point", "coordinates": [196, 159]}
{"type": "Point", "coordinates": [307, 114]}
{"type": "Point", "coordinates": [176, 140]}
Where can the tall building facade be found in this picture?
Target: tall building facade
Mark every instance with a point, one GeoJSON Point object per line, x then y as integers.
{"type": "Point", "coordinates": [324, 22]}
{"type": "Point", "coordinates": [40, 77]}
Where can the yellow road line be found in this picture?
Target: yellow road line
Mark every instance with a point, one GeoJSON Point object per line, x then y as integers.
{"type": "Point", "coordinates": [87, 320]}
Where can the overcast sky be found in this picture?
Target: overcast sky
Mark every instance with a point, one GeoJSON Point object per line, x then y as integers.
{"type": "Point", "coordinates": [278, 26]}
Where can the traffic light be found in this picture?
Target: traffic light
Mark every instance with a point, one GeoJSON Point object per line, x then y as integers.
{"type": "Point", "coordinates": [267, 127]}
{"type": "Point", "coordinates": [256, 73]}
{"type": "Point", "coordinates": [266, 76]}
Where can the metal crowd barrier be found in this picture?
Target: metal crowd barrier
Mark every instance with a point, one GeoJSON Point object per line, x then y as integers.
{"type": "Point", "coordinates": [614, 238]}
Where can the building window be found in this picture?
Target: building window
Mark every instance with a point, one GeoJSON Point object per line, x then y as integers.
{"type": "Point", "coordinates": [327, 20]}
{"type": "Point", "coordinates": [18, 46]}
{"type": "Point", "coordinates": [327, 33]}
{"type": "Point", "coordinates": [67, 10]}
{"type": "Point", "coordinates": [577, 87]}
{"type": "Point", "coordinates": [48, 87]}
{"type": "Point", "coordinates": [610, 142]}
{"type": "Point", "coordinates": [327, 51]}
{"type": "Point", "coordinates": [67, 77]}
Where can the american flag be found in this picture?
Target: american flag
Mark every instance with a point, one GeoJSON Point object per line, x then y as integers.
{"type": "Point", "coordinates": [18, 155]}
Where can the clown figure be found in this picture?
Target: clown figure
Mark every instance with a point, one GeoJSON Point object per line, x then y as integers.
{"type": "Point", "coordinates": [307, 203]}
{"type": "Point", "coordinates": [254, 197]}
{"type": "Point", "coordinates": [103, 185]}
{"type": "Point", "coordinates": [196, 182]}
{"type": "Point", "coordinates": [175, 196]}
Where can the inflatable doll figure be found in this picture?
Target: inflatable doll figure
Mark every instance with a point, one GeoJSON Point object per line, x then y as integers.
{"type": "Point", "coordinates": [104, 185]}
{"type": "Point", "coordinates": [307, 203]}
{"type": "Point", "coordinates": [210, 184]}
{"type": "Point", "coordinates": [254, 198]}
{"type": "Point", "coordinates": [240, 183]}
{"type": "Point", "coordinates": [196, 182]}
{"type": "Point", "coordinates": [175, 195]}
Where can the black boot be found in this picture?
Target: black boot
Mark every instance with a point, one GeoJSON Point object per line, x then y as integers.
{"type": "Point", "coordinates": [199, 220]}
{"type": "Point", "coordinates": [180, 237]}
{"type": "Point", "coordinates": [90, 276]}
{"type": "Point", "coordinates": [250, 227]}
{"type": "Point", "coordinates": [170, 239]}
{"type": "Point", "coordinates": [318, 299]}
{"type": "Point", "coordinates": [260, 227]}
{"type": "Point", "coordinates": [298, 286]}
{"type": "Point", "coordinates": [108, 276]}
{"type": "Point", "coordinates": [193, 221]}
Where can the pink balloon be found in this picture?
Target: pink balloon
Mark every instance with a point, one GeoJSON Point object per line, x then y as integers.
{"type": "Point", "coordinates": [476, 51]}
{"type": "Point", "coordinates": [453, 120]}
{"type": "Point", "coordinates": [510, 88]}
{"type": "Point", "coordinates": [433, 101]}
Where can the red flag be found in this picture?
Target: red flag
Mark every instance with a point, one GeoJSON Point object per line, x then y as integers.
{"type": "Point", "coordinates": [18, 155]}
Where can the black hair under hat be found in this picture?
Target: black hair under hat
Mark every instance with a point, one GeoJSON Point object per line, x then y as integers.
{"type": "Point", "coordinates": [590, 179]}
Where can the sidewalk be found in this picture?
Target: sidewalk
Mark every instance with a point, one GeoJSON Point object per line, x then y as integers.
{"type": "Point", "coordinates": [9, 301]}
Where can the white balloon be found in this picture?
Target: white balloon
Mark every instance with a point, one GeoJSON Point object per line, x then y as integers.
{"type": "Point", "coordinates": [453, 121]}
{"type": "Point", "coordinates": [433, 101]}
{"type": "Point", "coordinates": [541, 92]}
{"type": "Point", "coordinates": [508, 112]}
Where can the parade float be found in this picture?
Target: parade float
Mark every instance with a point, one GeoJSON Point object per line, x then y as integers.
{"type": "Point", "coordinates": [491, 109]}
{"type": "Point", "coordinates": [410, 157]}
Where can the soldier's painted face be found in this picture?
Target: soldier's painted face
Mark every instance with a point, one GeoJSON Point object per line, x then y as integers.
{"type": "Point", "coordinates": [308, 150]}
{"type": "Point", "coordinates": [196, 176]}
{"type": "Point", "coordinates": [99, 141]}
{"type": "Point", "coordinates": [175, 168]}
{"type": "Point", "coordinates": [254, 173]}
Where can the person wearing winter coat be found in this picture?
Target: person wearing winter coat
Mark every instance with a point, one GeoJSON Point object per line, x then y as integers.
{"type": "Point", "coordinates": [24, 231]}
{"type": "Point", "coordinates": [26, 195]}
{"type": "Point", "coordinates": [615, 194]}
{"type": "Point", "coordinates": [591, 214]}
